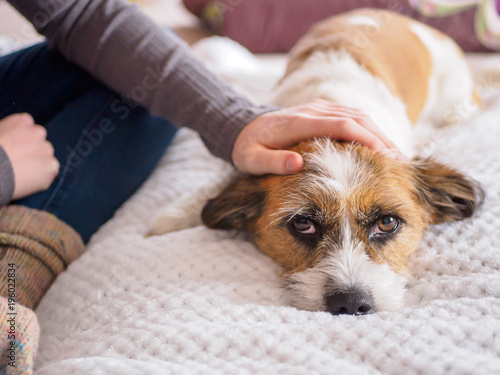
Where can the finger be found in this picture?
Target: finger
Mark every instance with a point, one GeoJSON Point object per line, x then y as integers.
{"type": "Point", "coordinates": [358, 116]}
{"type": "Point", "coordinates": [274, 161]}
{"type": "Point", "coordinates": [27, 118]}
{"type": "Point", "coordinates": [338, 111]}
{"type": "Point", "coordinates": [329, 109]}
{"type": "Point", "coordinates": [40, 131]}
{"type": "Point", "coordinates": [334, 107]}
{"type": "Point", "coordinates": [293, 162]}
{"type": "Point", "coordinates": [17, 121]}
{"type": "Point", "coordinates": [50, 148]}
{"type": "Point", "coordinates": [51, 172]}
{"type": "Point", "coordinates": [345, 129]}
{"type": "Point", "coordinates": [351, 131]}
{"type": "Point", "coordinates": [55, 166]}
{"type": "Point", "coordinates": [21, 119]}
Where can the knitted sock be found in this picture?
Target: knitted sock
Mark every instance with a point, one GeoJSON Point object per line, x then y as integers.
{"type": "Point", "coordinates": [38, 246]}
{"type": "Point", "coordinates": [19, 332]}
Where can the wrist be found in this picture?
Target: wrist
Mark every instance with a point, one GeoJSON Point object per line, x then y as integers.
{"type": "Point", "coordinates": [7, 178]}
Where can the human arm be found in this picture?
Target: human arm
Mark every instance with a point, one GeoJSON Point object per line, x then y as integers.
{"type": "Point", "coordinates": [125, 50]}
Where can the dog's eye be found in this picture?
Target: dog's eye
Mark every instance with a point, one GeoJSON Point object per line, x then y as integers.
{"type": "Point", "coordinates": [303, 225]}
{"type": "Point", "coordinates": [387, 224]}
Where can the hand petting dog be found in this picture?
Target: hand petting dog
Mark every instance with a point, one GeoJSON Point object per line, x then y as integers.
{"type": "Point", "coordinates": [259, 148]}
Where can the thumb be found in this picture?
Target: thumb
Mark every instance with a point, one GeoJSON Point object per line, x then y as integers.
{"type": "Point", "coordinates": [276, 162]}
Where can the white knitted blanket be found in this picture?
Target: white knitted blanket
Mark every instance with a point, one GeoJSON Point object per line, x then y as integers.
{"type": "Point", "coordinates": [199, 301]}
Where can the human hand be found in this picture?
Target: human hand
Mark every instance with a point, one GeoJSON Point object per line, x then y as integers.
{"type": "Point", "coordinates": [31, 155]}
{"type": "Point", "coordinates": [259, 148]}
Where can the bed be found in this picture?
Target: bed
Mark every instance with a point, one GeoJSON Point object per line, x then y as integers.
{"type": "Point", "coordinates": [199, 301]}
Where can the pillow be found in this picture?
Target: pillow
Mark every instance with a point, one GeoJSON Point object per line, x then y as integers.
{"type": "Point", "coordinates": [196, 6]}
{"type": "Point", "coordinates": [276, 25]}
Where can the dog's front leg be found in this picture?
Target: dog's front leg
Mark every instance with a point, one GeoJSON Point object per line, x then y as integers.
{"type": "Point", "coordinates": [184, 213]}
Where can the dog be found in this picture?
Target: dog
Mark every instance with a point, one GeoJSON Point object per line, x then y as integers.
{"type": "Point", "coordinates": [343, 227]}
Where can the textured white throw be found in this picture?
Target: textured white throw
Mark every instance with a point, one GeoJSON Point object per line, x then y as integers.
{"type": "Point", "coordinates": [199, 301]}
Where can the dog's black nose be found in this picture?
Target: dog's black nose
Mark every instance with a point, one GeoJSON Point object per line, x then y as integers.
{"type": "Point", "coordinates": [352, 303]}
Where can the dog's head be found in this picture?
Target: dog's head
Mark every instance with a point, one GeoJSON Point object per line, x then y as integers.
{"type": "Point", "coordinates": [343, 226]}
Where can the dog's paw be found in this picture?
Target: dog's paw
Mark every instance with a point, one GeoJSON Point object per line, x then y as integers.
{"type": "Point", "coordinates": [174, 219]}
{"type": "Point", "coordinates": [186, 211]}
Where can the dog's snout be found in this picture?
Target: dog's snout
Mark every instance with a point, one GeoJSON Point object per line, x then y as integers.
{"type": "Point", "coordinates": [352, 303]}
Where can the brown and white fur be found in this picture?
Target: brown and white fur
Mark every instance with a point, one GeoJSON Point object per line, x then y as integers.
{"type": "Point", "coordinates": [343, 227]}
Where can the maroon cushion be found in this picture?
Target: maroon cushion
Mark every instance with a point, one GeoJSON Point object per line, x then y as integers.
{"type": "Point", "coordinates": [196, 6]}
{"type": "Point", "coordinates": [276, 25]}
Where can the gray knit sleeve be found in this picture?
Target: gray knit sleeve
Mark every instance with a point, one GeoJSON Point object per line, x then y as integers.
{"type": "Point", "coordinates": [7, 182]}
{"type": "Point", "coordinates": [127, 51]}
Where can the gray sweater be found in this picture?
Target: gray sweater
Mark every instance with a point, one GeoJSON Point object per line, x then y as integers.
{"type": "Point", "coordinates": [120, 46]}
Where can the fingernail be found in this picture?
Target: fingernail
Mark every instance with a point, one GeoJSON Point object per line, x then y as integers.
{"type": "Point", "coordinates": [290, 165]}
{"type": "Point", "coordinates": [294, 163]}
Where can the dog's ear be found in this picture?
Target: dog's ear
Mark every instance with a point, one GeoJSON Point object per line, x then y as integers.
{"type": "Point", "coordinates": [237, 207]}
{"type": "Point", "coordinates": [448, 194]}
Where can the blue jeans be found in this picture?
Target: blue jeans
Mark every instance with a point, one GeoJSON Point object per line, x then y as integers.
{"type": "Point", "coordinates": [106, 145]}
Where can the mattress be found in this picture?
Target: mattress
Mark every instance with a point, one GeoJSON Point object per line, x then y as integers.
{"type": "Point", "coordinates": [199, 301]}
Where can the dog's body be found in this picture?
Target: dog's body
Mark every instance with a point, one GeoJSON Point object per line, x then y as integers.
{"type": "Point", "coordinates": [343, 226]}
{"type": "Point", "coordinates": [400, 72]}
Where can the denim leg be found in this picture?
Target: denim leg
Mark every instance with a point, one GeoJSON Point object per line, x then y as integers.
{"type": "Point", "coordinates": [39, 81]}
{"type": "Point", "coordinates": [106, 146]}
